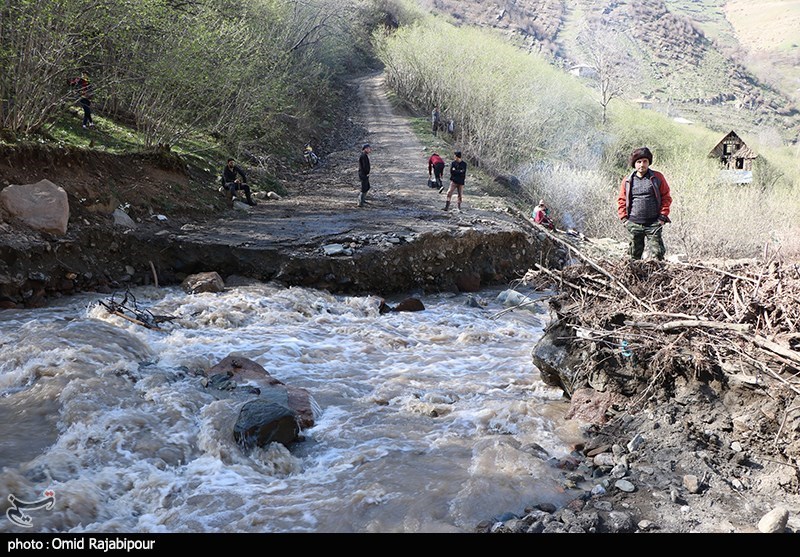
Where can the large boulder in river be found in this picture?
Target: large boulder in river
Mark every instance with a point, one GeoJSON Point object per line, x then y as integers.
{"type": "Point", "coordinates": [43, 206]}
{"type": "Point", "coordinates": [271, 412]}
{"type": "Point", "coordinates": [262, 422]}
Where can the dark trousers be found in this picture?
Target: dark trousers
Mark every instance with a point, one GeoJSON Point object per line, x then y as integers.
{"type": "Point", "coordinates": [364, 188]}
{"type": "Point", "coordinates": [87, 111]}
{"type": "Point", "coordinates": [438, 170]}
{"type": "Point", "coordinates": [233, 187]}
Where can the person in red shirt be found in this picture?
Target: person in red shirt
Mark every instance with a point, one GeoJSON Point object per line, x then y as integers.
{"type": "Point", "coordinates": [643, 205]}
{"type": "Point", "coordinates": [436, 169]}
{"type": "Point", "coordinates": [85, 100]}
{"type": "Point", "coordinates": [541, 215]}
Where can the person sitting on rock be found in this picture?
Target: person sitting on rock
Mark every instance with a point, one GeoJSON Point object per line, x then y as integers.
{"type": "Point", "coordinates": [541, 215]}
{"type": "Point", "coordinates": [233, 180]}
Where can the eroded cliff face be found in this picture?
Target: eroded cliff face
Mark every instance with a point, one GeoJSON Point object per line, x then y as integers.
{"type": "Point", "coordinates": [94, 258]}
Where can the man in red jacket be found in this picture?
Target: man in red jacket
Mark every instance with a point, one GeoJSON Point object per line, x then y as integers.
{"type": "Point", "coordinates": [643, 205]}
{"type": "Point", "coordinates": [436, 169]}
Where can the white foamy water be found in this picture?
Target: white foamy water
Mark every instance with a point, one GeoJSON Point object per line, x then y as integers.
{"type": "Point", "coordinates": [426, 420]}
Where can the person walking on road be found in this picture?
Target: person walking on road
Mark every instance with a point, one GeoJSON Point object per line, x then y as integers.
{"type": "Point", "coordinates": [643, 205]}
{"type": "Point", "coordinates": [458, 175]}
{"type": "Point", "coordinates": [363, 173]}
{"type": "Point", "coordinates": [436, 169]}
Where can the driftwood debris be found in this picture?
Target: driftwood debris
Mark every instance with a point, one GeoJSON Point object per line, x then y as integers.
{"type": "Point", "coordinates": [674, 318]}
{"type": "Point", "coordinates": [129, 310]}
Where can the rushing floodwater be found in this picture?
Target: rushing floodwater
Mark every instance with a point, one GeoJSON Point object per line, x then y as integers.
{"type": "Point", "coordinates": [426, 420]}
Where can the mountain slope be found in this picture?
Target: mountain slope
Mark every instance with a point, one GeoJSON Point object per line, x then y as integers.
{"type": "Point", "coordinates": [702, 60]}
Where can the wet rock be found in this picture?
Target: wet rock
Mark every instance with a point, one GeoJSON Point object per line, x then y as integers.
{"type": "Point", "coordinates": [262, 422]}
{"type": "Point", "coordinates": [545, 507]}
{"type": "Point", "coordinates": [242, 371]}
{"type": "Point", "coordinates": [221, 382]}
{"type": "Point", "coordinates": [472, 302]}
{"type": "Point", "coordinates": [203, 282]}
{"type": "Point", "coordinates": [410, 304]}
{"type": "Point", "coordinates": [536, 450]}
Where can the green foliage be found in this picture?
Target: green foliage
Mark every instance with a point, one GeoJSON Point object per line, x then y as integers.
{"type": "Point", "coordinates": [517, 115]}
{"type": "Point", "coordinates": [498, 96]}
{"type": "Point", "coordinates": [259, 75]}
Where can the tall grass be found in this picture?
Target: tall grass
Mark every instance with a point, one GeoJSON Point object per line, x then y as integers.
{"type": "Point", "coordinates": [516, 114]}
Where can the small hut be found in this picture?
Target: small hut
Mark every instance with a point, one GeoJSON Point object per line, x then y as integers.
{"type": "Point", "coordinates": [733, 153]}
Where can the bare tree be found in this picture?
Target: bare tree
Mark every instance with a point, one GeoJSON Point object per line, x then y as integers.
{"type": "Point", "coordinates": [608, 53]}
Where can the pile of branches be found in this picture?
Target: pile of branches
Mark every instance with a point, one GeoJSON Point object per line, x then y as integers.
{"type": "Point", "coordinates": [666, 319]}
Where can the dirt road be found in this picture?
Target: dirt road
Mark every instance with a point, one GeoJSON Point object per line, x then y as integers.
{"type": "Point", "coordinates": [322, 207]}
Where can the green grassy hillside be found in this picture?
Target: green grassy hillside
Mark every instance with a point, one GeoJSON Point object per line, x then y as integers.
{"type": "Point", "coordinates": [724, 63]}
{"type": "Point", "coordinates": [517, 115]}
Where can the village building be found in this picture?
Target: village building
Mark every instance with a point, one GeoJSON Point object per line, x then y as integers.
{"type": "Point", "coordinates": [735, 158]}
{"type": "Point", "coordinates": [733, 153]}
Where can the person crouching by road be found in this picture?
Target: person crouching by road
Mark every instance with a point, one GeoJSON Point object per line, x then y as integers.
{"type": "Point", "coordinates": [436, 169]}
{"type": "Point", "coordinates": [363, 173]}
{"type": "Point", "coordinates": [458, 175]}
{"type": "Point", "coordinates": [643, 205]}
{"type": "Point", "coordinates": [233, 180]}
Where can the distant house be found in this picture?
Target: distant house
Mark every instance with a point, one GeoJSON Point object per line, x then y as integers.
{"type": "Point", "coordinates": [583, 70]}
{"type": "Point", "coordinates": [643, 103]}
{"type": "Point", "coordinates": [733, 153]}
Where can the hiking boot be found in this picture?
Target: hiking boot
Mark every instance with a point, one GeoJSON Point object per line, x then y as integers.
{"type": "Point", "coordinates": [446, 206]}
{"type": "Point", "coordinates": [251, 203]}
